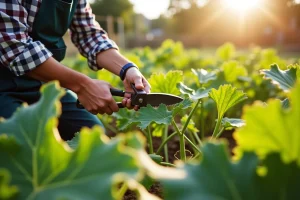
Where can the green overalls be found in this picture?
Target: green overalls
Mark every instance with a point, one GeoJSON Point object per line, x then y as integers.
{"type": "Point", "coordinates": [50, 24]}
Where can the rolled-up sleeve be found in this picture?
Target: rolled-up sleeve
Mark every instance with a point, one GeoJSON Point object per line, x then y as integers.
{"type": "Point", "coordinates": [88, 36]}
{"type": "Point", "coordinates": [18, 51]}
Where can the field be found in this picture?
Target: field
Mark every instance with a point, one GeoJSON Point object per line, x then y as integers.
{"type": "Point", "coordinates": [235, 136]}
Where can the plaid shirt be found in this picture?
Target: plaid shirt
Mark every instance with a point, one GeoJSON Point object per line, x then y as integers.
{"type": "Point", "coordinates": [21, 54]}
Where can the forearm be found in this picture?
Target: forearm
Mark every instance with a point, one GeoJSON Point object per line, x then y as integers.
{"type": "Point", "coordinates": [111, 60]}
{"type": "Point", "coordinates": [53, 70]}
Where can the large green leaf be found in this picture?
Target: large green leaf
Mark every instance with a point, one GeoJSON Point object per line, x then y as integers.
{"type": "Point", "coordinates": [166, 83]}
{"type": "Point", "coordinates": [204, 76]}
{"type": "Point", "coordinates": [7, 192]}
{"type": "Point", "coordinates": [226, 97]}
{"type": "Point", "coordinates": [271, 128]}
{"type": "Point", "coordinates": [45, 167]}
{"type": "Point", "coordinates": [218, 178]}
{"type": "Point", "coordinates": [284, 79]}
{"type": "Point", "coordinates": [149, 114]}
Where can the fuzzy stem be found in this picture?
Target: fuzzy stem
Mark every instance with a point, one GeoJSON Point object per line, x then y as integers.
{"type": "Point", "coordinates": [149, 135]}
{"type": "Point", "coordinates": [165, 137]}
{"type": "Point", "coordinates": [181, 141]}
{"type": "Point", "coordinates": [217, 128]}
{"type": "Point", "coordinates": [221, 131]}
{"type": "Point", "coordinates": [202, 120]}
{"type": "Point", "coordinates": [164, 142]}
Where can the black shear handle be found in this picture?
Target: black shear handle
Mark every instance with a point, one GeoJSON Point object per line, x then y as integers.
{"type": "Point", "coordinates": [114, 92]}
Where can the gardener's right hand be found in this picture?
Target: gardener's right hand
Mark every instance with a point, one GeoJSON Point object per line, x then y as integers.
{"type": "Point", "coordinates": [96, 98]}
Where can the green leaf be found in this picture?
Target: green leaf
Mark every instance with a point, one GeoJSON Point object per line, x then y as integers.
{"type": "Point", "coordinates": [147, 115]}
{"type": "Point", "coordinates": [204, 76]}
{"type": "Point", "coordinates": [194, 95]}
{"type": "Point", "coordinates": [233, 70]}
{"type": "Point", "coordinates": [180, 107]}
{"type": "Point", "coordinates": [226, 51]}
{"type": "Point", "coordinates": [284, 79]}
{"type": "Point", "coordinates": [7, 191]}
{"type": "Point", "coordinates": [270, 128]}
{"type": "Point", "coordinates": [216, 178]}
{"type": "Point", "coordinates": [232, 123]}
{"type": "Point", "coordinates": [166, 83]}
{"type": "Point", "coordinates": [45, 167]}
{"type": "Point", "coordinates": [123, 119]}
{"type": "Point", "coordinates": [226, 97]}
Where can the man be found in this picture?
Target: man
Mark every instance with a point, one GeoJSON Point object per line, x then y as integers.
{"type": "Point", "coordinates": [31, 47]}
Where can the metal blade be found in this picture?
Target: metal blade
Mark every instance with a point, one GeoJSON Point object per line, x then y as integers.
{"type": "Point", "coordinates": [155, 99]}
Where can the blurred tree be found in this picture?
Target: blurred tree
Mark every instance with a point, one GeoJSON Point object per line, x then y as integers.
{"type": "Point", "coordinates": [115, 8]}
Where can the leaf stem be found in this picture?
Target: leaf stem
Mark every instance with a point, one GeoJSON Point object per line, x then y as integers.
{"type": "Point", "coordinates": [221, 131]}
{"type": "Point", "coordinates": [165, 141]}
{"type": "Point", "coordinates": [193, 145]}
{"type": "Point", "coordinates": [122, 191]}
{"type": "Point", "coordinates": [190, 117]}
{"type": "Point", "coordinates": [150, 142]}
{"type": "Point", "coordinates": [181, 141]}
{"type": "Point", "coordinates": [202, 120]}
{"type": "Point", "coordinates": [164, 138]}
{"type": "Point", "coordinates": [167, 164]}
{"type": "Point", "coordinates": [217, 127]}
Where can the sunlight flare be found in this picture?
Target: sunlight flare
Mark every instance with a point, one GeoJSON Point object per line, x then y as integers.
{"type": "Point", "coordinates": [242, 5]}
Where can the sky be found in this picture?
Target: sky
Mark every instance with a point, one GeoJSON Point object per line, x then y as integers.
{"type": "Point", "coordinates": [150, 8]}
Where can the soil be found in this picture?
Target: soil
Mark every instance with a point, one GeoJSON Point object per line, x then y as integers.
{"type": "Point", "coordinates": [173, 149]}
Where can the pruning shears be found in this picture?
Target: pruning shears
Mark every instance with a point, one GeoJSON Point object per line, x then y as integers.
{"type": "Point", "coordinates": [141, 98]}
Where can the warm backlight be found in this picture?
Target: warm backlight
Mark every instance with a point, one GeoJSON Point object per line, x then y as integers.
{"type": "Point", "coordinates": [242, 5]}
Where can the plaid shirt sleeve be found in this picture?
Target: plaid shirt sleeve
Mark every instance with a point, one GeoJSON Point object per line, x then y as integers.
{"type": "Point", "coordinates": [18, 51]}
{"type": "Point", "coordinates": [87, 35]}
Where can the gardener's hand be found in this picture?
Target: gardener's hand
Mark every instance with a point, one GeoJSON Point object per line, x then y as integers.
{"type": "Point", "coordinates": [133, 75]}
{"type": "Point", "coordinates": [96, 98]}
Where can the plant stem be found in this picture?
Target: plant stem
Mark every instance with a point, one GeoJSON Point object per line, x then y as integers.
{"type": "Point", "coordinates": [149, 135]}
{"type": "Point", "coordinates": [221, 131]}
{"type": "Point", "coordinates": [190, 117]}
{"type": "Point", "coordinates": [202, 120]}
{"type": "Point", "coordinates": [167, 164]}
{"type": "Point", "coordinates": [192, 138]}
{"type": "Point", "coordinates": [164, 142]}
{"type": "Point", "coordinates": [193, 145]}
{"type": "Point", "coordinates": [122, 191]}
{"type": "Point", "coordinates": [217, 127]}
{"type": "Point", "coordinates": [164, 138]}
{"type": "Point", "coordinates": [181, 141]}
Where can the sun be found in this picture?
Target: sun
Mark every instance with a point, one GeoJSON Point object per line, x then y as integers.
{"type": "Point", "coordinates": [242, 5]}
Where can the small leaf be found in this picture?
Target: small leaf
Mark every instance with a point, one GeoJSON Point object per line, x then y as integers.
{"type": "Point", "coordinates": [226, 97]}
{"type": "Point", "coordinates": [7, 192]}
{"type": "Point", "coordinates": [185, 104]}
{"type": "Point", "coordinates": [204, 76]}
{"type": "Point", "coordinates": [284, 79]}
{"type": "Point", "coordinates": [166, 83]}
{"type": "Point", "coordinates": [218, 178]}
{"type": "Point", "coordinates": [123, 119]}
{"type": "Point", "coordinates": [285, 103]}
{"type": "Point", "coordinates": [270, 128]}
{"type": "Point", "coordinates": [232, 123]}
{"type": "Point", "coordinates": [191, 126]}
{"type": "Point", "coordinates": [226, 51]}
{"type": "Point", "coordinates": [194, 95]}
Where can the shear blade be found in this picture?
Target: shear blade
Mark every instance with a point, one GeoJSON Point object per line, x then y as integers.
{"type": "Point", "coordinates": [155, 99]}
